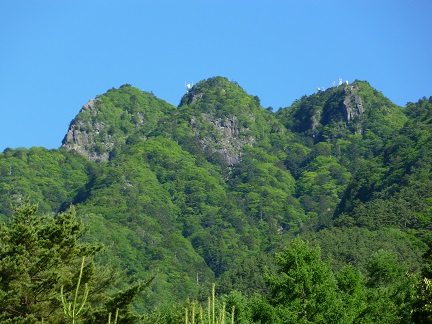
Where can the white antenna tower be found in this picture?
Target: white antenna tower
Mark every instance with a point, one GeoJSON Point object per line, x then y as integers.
{"type": "Point", "coordinates": [340, 80]}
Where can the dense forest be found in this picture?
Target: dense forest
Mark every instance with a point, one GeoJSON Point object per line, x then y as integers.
{"type": "Point", "coordinates": [220, 210]}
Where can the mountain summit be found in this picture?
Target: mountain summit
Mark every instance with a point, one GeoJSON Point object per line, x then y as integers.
{"type": "Point", "coordinates": [354, 108]}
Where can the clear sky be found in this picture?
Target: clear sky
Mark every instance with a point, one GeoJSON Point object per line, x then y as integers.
{"type": "Point", "coordinates": [56, 55]}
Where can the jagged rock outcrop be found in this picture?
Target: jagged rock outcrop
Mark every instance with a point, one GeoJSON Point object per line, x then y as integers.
{"type": "Point", "coordinates": [353, 107]}
{"type": "Point", "coordinates": [219, 118]}
{"type": "Point", "coordinates": [82, 135]}
{"type": "Point", "coordinates": [227, 141]}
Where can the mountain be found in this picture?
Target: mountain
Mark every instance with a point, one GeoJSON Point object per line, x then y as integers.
{"type": "Point", "coordinates": [194, 193]}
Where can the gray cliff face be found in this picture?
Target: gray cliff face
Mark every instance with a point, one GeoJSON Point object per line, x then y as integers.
{"type": "Point", "coordinates": [315, 120]}
{"type": "Point", "coordinates": [353, 107]}
{"type": "Point", "coordinates": [81, 135]}
{"type": "Point", "coordinates": [228, 141]}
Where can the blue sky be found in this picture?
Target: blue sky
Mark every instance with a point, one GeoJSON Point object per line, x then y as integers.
{"type": "Point", "coordinates": [56, 55]}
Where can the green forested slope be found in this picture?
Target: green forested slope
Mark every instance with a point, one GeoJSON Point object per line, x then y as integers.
{"type": "Point", "coordinates": [53, 178]}
{"type": "Point", "coordinates": [394, 189]}
{"type": "Point", "coordinates": [210, 190]}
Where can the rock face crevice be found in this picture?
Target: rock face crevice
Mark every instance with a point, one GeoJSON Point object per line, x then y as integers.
{"type": "Point", "coordinates": [353, 108]}
{"type": "Point", "coordinates": [353, 105]}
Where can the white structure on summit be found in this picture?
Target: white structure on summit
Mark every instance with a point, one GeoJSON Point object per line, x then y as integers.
{"type": "Point", "coordinates": [340, 80]}
{"type": "Point", "coordinates": [188, 86]}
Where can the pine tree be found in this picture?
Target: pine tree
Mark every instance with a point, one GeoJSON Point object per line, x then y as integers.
{"type": "Point", "coordinates": [40, 258]}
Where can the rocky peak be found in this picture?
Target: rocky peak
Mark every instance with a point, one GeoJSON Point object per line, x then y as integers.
{"type": "Point", "coordinates": [340, 111]}
{"type": "Point", "coordinates": [82, 133]}
{"type": "Point", "coordinates": [117, 118]}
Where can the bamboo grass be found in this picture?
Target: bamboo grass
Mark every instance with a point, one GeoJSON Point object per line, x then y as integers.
{"type": "Point", "coordinates": [72, 310]}
{"type": "Point", "coordinates": [212, 317]}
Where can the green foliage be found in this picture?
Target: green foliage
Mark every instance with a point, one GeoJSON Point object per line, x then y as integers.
{"type": "Point", "coordinates": [394, 188]}
{"type": "Point", "coordinates": [390, 290]}
{"type": "Point", "coordinates": [36, 253]}
{"type": "Point", "coordinates": [265, 191]}
{"type": "Point", "coordinates": [422, 310]}
{"type": "Point", "coordinates": [248, 277]}
{"type": "Point", "coordinates": [355, 246]}
{"type": "Point", "coordinates": [52, 177]}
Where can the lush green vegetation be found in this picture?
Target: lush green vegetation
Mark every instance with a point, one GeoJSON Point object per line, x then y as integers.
{"type": "Point", "coordinates": [320, 212]}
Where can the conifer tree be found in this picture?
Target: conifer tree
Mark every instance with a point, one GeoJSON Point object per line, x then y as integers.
{"type": "Point", "coordinates": [40, 256]}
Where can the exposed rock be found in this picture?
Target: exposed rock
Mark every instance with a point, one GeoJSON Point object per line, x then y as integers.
{"type": "Point", "coordinates": [359, 104]}
{"type": "Point", "coordinates": [352, 107]}
{"type": "Point", "coordinates": [81, 136]}
{"type": "Point", "coordinates": [315, 119]}
{"type": "Point", "coordinates": [228, 143]}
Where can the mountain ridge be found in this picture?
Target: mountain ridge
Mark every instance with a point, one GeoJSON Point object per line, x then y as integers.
{"type": "Point", "coordinates": [231, 111]}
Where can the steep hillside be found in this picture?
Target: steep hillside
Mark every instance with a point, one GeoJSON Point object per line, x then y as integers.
{"type": "Point", "coordinates": [394, 189]}
{"type": "Point", "coordinates": [51, 177]}
{"type": "Point", "coordinates": [335, 131]}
